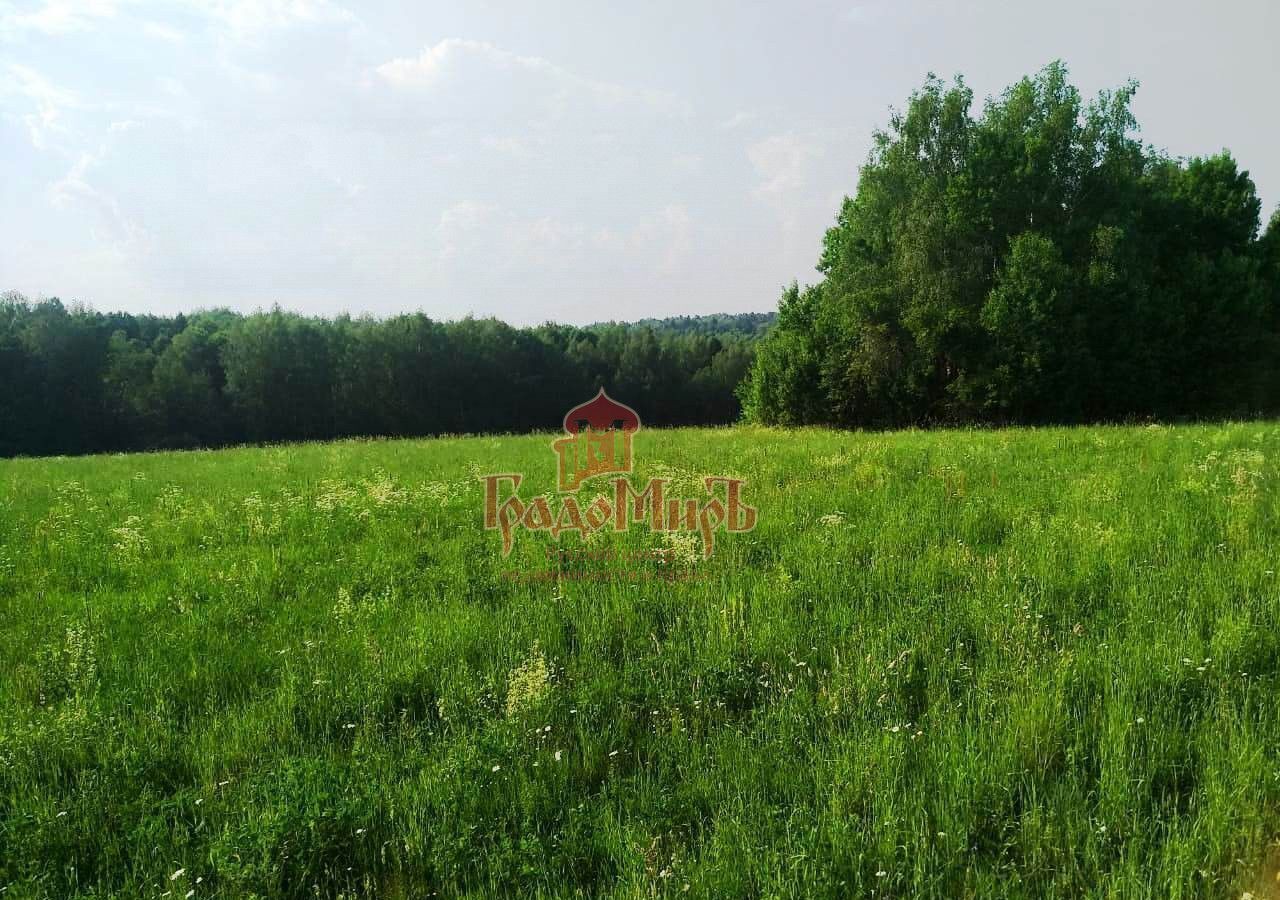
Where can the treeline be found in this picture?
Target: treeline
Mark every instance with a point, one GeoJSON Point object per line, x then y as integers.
{"type": "Point", "coordinates": [1033, 263]}
{"type": "Point", "coordinates": [79, 381]}
{"type": "Point", "coordinates": [716, 323]}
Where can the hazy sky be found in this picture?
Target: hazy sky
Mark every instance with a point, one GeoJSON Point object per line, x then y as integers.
{"type": "Point", "coordinates": [574, 161]}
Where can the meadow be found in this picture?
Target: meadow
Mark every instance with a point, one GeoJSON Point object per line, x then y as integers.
{"type": "Point", "coordinates": [987, 663]}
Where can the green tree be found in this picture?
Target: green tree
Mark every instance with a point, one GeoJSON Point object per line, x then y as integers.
{"type": "Point", "coordinates": [1034, 262]}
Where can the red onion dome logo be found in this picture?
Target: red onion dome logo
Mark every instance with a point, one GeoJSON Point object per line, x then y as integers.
{"type": "Point", "coordinates": [599, 440]}
{"type": "Point", "coordinates": [601, 413]}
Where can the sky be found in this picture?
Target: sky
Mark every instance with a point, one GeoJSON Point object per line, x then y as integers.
{"type": "Point", "coordinates": [566, 161]}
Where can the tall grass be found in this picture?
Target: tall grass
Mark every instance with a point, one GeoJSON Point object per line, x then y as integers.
{"type": "Point", "coordinates": [977, 663]}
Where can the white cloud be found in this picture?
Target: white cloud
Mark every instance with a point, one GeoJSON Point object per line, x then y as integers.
{"type": "Point", "coordinates": [242, 19]}
{"type": "Point", "coordinates": [114, 231]}
{"type": "Point", "coordinates": [471, 233]}
{"type": "Point", "coordinates": [783, 162]}
{"type": "Point", "coordinates": [737, 120]}
{"type": "Point", "coordinates": [666, 238]}
{"type": "Point", "coordinates": [521, 147]}
{"type": "Point", "coordinates": [62, 124]}
{"type": "Point", "coordinates": [249, 18]}
{"type": "Point", "coordinates": [687, 162]}
{"type": "Point", "coordinates": [49, 100]}
{"type": "Point", "coordinates": [473, 61]}
{"type": "Point", "coordinates": [56, 16]}
{"type": "Point", "coordinates": [428, 67]}
{"type": "Point", "coordinates": [162, 32]}
{"type": "Point", "coordinates": [470, 230]}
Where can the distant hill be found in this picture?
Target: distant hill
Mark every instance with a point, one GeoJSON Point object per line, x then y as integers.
{"type": "Point", "coordinates": [745, 324]}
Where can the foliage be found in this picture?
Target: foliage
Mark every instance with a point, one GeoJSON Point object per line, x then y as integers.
{"type": "Point", "coordinates": [1033, 263]}
{"type": "Point", "coordinates": [77, 381]}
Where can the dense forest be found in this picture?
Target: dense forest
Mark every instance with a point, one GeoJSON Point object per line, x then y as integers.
{"type": "Point", "coordinates": [80, 381]}
{"type": "Point", "coordinates": [1033, 263]}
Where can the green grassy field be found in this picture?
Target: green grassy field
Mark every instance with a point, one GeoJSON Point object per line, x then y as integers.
{"type": "Point", "coordinates": [972, 663]}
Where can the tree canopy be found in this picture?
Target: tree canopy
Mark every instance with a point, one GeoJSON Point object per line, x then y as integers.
{"type": "Point", "coordinates": [79, 381]}
{"type": "Point", "coordinates": [1032, 262]}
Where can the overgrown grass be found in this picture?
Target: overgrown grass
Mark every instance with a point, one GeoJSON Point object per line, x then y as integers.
{"type": "Point", "coordinates": [996, 663]}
